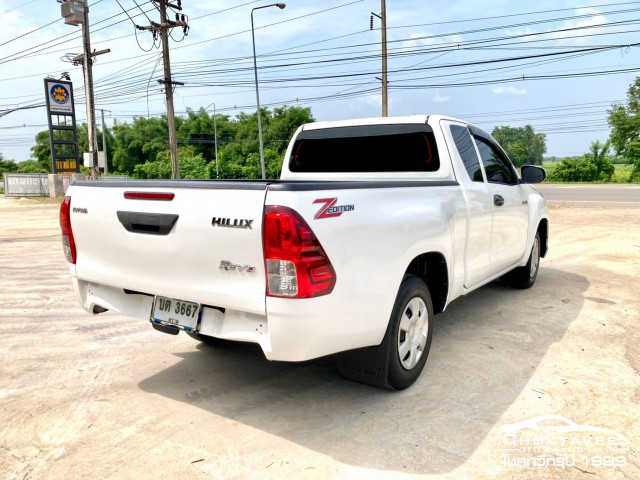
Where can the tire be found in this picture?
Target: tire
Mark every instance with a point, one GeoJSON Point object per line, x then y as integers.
{"type": "Point", "coordinates": [525, 277]}
{"type": "Point", "coordinates": [410, 333]}
{"type": "Point", "coordinates": [211, 341]}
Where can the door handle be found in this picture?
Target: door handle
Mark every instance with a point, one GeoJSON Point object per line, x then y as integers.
{"type": "Point", "coordinates": [498, 201]}
{"type": "Point", "coordinates": [149, 223]}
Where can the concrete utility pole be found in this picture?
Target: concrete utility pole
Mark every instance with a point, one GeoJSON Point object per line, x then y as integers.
{"type": "Point", "coordinates": [104, 144]}
{"type": "Point", "coordinates": [383, 80]}
{"type": "Point", "coordinates": [76, 12]}
{"type": "Point", "coordinates": [88, 85]}
{"type": "Point", "coordinates": [168, 87]}
{"type": "Point", "coordinates": [163, 29]}
{"type": "Point", "coordinates": [383, 15]}
{"type": "Point", "coordinates": [91, 132]}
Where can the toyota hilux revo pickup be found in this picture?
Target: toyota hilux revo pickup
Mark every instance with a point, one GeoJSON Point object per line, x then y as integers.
{"type": "Point", "coordinates": [374, 227]}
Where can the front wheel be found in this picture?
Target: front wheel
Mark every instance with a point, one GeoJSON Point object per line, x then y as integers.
{"type": "Point", "coordinates": [524, 277]}
{"type": "Point", "coordinates": [410, 333]}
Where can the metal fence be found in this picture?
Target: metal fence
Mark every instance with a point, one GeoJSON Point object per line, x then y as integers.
{"type": "Point", "coordinates": [107, 178]}
{"type": "Point", "coordinates": [37, 184]}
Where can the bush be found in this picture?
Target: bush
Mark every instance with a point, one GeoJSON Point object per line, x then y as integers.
{"type": "Point", "coordinates": [591, 167]}
{"type": "Point", "coordinates": [191, 166]}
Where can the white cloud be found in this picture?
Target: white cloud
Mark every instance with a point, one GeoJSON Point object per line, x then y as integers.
{"type": "Point", "coordinates": [508, 91]}
{"type": "Point", "coordinates": [422, 39]}
{"type": "Point", "coordinates": [521, 32]}
{"type": "Point", "coordinates": [588, 26]}
{"type": "Point", "coordinates": [373, 100]}
{"type": "Point", "coordinates": [441, 98]}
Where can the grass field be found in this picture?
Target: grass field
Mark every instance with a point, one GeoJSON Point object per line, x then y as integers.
{"type": "Point", "coordinates": [621, 174]}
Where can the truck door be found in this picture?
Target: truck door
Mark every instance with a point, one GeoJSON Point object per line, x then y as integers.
{"type": "Point", "coordinates": [477, 259]}
{"type": "Point", "coordinates": [510, 210]}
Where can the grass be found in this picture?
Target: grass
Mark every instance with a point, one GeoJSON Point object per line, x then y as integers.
{"type": "Point", "coordinates": [549, 166]}
{"type": "Point", "coordinates": [620, 175]}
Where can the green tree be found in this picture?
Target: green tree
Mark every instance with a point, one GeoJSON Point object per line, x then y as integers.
{"type": "Point", "coordinates": [239, 148]}
{"type": "Point", "coordinates": [141, 148]}
{"type": "Point", "coordinates": [591, 167]}
{"type": "Point", "coordinates": [140, 141]}
{"type": "Point", "coordinates": [282, 125]}
{"type": "Point", "coordinates": [625, 128]}
{"type": "Point", "coordinates": [197, 131]}
{"type": "Point", "coordinates": [7, 166]}
{"type": "Point", "coordinates": [192, 165]}
{"type": "Point", "coordinates": [41, 151]}
{"type": "Point", "coordinates": [32, 166]}
{"type": "Point", "coordinates": [522, 144]}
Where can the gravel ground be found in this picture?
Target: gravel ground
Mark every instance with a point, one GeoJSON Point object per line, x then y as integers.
{"type": "Point", "coordinates": [107, 397]}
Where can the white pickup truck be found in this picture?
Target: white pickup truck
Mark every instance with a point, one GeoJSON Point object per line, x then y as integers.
{"type": "Point", "coordinates": [375, 226]}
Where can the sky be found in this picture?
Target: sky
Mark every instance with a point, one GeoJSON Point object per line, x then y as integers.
{"type": "Point", "coordinates": [557, 65]}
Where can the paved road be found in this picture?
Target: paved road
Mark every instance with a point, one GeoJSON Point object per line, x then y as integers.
{"type": "Point", "coordinates": [592, 195]}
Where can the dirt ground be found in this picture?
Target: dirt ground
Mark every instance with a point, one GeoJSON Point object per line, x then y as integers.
{"type": "Point", "coordinates": [107, 397]}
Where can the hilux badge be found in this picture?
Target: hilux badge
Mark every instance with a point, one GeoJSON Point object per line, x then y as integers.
{"type": "Point", "coordinates": [232, 222]}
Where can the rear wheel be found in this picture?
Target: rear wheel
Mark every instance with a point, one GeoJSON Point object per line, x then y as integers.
{"type": "Point", "coordinates": [410, 334]}
{"type": "Point", "coordinates": [524, 277]}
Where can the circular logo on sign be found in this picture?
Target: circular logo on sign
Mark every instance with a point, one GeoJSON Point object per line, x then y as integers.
{"type": "Point", "coordinates": [59, 94]}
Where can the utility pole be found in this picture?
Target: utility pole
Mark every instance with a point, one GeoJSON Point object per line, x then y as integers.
{"type": "Point", "coordinates": [383, 29]}
{"type": "Point", "coordinates": [163, 28]}
{"type": "Point", "coordinates": [168, 89]}
{"type": "Point", "coordinates": [383, 15]}
{"type": "Point", "coordinates": [76, 12]}
{"type": "Point", "coordinates": [88, 85]}
{"type": "Point", "coordinates": [104, 144]}
{"type": "Point", "coordinates": [87, 71]}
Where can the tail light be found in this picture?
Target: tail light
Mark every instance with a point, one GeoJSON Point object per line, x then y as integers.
{"type": "Point", "coordinates": [68, 244]}
{"type": "Point", "coordinates": [296, 264]}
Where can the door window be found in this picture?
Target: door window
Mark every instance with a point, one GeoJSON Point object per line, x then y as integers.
{"type": "Point", "coordinates": [497, 168]}
{"type": "Point", "coordinates": [467, 151]}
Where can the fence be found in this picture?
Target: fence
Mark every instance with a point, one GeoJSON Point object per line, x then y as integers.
{"type": "Point", "coordinates": [38, 184]}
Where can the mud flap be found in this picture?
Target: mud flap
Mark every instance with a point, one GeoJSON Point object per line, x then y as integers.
{"type": "Point", "coordinates": [368, 365]}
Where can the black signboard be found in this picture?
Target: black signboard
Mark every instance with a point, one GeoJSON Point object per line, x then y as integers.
{"type": "Point", "coordinates": [61, 115]}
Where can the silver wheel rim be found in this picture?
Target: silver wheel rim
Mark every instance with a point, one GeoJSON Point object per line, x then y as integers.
{"type": "Point", "coordinates": [535, 258]}
{"type": "Point", "coordinates": [413, 331]}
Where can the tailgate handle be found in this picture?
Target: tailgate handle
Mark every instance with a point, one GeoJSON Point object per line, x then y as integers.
{"type": "Point", "coordinates": [150, 223]}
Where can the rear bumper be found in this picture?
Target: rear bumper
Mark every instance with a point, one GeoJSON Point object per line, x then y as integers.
{"type": "Point", "coordinates": [294, 330]}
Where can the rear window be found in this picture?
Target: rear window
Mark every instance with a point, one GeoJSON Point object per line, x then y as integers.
{"type": "Point", "coordinates": [373, 148]}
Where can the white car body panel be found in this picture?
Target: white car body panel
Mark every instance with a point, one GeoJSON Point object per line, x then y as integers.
{"type": "Point", "coordinates": [396, 217]}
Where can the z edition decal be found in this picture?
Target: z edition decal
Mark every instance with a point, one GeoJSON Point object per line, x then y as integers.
{"type": "Point", "coordinates": [330, 209]}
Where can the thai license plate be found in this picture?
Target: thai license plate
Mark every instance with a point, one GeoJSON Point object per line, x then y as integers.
{"type": "Point", "coordinates": [178, 313]}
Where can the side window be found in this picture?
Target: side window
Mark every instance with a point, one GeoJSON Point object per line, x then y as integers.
{"type": "Point", "coordinates": [497, 169]}
{"type": "Point", "coordinates": [467, 152]}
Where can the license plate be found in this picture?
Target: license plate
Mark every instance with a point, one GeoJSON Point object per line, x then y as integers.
{"type": "Point", "coordinates": [178, 313]}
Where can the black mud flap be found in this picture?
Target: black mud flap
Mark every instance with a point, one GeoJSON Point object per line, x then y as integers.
{"type": "Point", "coordinates": [368, 365]}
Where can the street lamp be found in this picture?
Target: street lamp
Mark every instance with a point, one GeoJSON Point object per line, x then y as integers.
{"type": "Point", "coordinates": [255, 70]}
{"type": "Point", "coordinates": [215, 134]}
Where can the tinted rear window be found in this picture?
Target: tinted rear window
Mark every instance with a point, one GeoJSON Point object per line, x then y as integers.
{"type": "Point", "coordinates": [375, 148]}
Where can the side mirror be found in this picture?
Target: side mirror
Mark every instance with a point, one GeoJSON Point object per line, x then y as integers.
{"type": "Point", "coordinates": [533, 174]}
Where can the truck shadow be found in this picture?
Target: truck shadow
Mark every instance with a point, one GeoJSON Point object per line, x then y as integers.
{"type": "Point", "coordinates": [485, 348]}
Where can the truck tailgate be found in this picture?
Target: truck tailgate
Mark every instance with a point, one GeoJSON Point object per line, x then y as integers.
{"type": "Point", "coordinates": [204, 245]}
